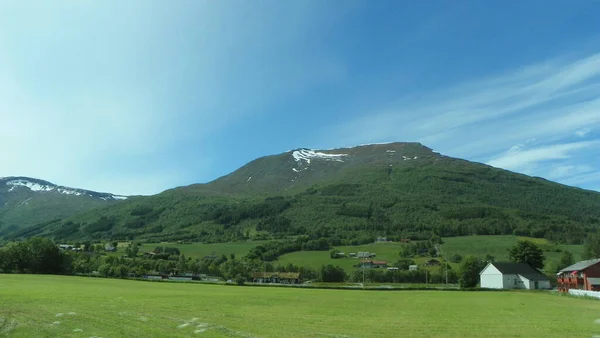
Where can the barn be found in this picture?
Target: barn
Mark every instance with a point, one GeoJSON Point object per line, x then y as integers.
{"type": "Point", "coordinates": [505, 275]}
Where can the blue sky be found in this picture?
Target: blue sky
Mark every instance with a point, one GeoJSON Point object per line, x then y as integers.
{"type": "Point", "coordinates": [140, 96]}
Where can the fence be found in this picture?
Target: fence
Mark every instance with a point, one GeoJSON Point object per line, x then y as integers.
{"type": "Point", "coordinates": [594, 294]}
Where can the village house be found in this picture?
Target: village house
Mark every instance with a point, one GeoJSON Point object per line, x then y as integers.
{"type": "Point", "coordinates": [276, 277]}
{"type": "Point", "coordinates": [584, 275]}
{"type": "Point", "coordinates": [501, 275]}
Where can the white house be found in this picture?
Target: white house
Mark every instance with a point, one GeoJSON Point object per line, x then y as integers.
{"type": "Point", "coordinates": [500, 275]}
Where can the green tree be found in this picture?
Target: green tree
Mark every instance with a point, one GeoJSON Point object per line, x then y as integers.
{"type": "Point", "coordinates": [404, 263]}
{"type": "Point", "coordinates": [132, 250]}
{"type": "Point", "coordinates": [333, 274]}
{"type": "Point", "coordinates": [470, 268]}
{"type": "Point", "coordinates": [456, 258]}
{"type": "Point", "coordinates": [527, 252]}
{"type": "Point", "coordinates": [591, 247]}
{"type": "Point", "coordinates": [566, 259]}
{"type": "Point", "coordinates": [334, 253]}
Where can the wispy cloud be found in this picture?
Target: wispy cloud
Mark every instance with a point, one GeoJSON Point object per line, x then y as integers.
{"type": "Point", "coordinates": [516, 158]}
{"type": "Point", "coordinates": [583, 132]}
{"type": "Point", "coordinates": [550, 103]}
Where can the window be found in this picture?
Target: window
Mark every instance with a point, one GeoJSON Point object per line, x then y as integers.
{"type": "Point", "coordinates": [515, 282]}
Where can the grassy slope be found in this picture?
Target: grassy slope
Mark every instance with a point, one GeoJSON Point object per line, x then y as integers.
{"type": "Point", "coordinates": [496, 246]}
{"type": "Point", "coordinates": [111, 308]}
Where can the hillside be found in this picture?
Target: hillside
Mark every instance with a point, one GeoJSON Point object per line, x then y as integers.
{"type": "Point", "coordinates": [27, 201]}
{"type": "Point", "coordinates": [349, 196]}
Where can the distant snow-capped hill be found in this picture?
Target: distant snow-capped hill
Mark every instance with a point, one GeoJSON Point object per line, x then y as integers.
{"type": "Point", "coordinates": [26, 201]}
{"type": "Point", "coordinates": [36, 185]}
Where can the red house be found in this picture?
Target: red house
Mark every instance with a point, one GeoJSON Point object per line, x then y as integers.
{"type": "Point", "coordinates": [584, 275]}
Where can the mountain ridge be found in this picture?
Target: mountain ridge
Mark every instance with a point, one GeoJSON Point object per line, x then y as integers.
{"type": "Point", "coordinates": [26, 201]}
{"type": "Point", "coordinates": [347, 195]}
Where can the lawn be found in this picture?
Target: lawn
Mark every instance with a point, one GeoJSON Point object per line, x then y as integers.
{"type": "Point", "coordinates": [54, 306]}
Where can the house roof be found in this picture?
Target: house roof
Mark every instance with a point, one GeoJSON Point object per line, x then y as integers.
{"type": "Point", "coordinates": [509, 268]}
{"type": "Point", "coordinates": [581, 265]}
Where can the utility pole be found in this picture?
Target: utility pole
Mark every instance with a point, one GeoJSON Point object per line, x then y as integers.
{"type": "Point", "coordinates": [363, 266]}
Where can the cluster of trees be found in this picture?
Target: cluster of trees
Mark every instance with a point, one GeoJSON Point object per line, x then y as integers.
{"type": "Point", "coordinates": [36, 255]}
{"type": "Point", "coordinates": [43, 256]}
{"type": "Point", "coordinates": [420, 248]}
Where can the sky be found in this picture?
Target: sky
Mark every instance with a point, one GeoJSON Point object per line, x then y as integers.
{"type": "Point", "coordinates": [136, 97]}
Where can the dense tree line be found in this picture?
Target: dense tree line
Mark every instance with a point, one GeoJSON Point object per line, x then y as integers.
{"type": "Point", "coordinates": [43, 256]}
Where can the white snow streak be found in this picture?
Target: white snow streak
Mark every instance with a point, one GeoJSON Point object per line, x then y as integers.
{"type": "Point", "coordinates": [307, 155]}
{"type": "Point", "coordinates": [37, 187]}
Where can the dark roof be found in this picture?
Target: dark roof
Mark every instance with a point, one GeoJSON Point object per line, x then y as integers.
{"type": "Point", "coordinates": [509, 268]}
{"type": "Point", "coordinates": [581, 265]}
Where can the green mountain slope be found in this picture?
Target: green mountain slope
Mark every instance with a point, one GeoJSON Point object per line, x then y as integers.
{"type": "Point", "coordinates": [27, 201]}
{"type": "Point", "coordinates": [349, 196]}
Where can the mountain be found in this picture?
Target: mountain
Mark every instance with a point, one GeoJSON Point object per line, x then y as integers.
{"type": "Point", "coordinates": [28, 201]}
{"type": "Point", "coordinates": [348, 195]}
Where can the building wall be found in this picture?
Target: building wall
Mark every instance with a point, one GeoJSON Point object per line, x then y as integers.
{"type": "Point", "coordinates": [592, 271]}
{"type": "Point", "coordinates": [491, 278]}
{"type": "Point", "coordinates": [525, 283]}
{"type": "Point", "coordinates": [544, 284]}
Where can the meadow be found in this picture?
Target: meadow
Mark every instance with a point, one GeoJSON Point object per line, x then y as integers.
{"type": "Point", "coordinates": [61, 306]}
{"type": "Point", "coordinates": [480, 246]}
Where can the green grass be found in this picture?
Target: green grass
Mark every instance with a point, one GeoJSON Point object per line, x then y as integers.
{"type": "Point", "coordinates": [121, 308]}
{"type": "Point", "coordinates": [480, 246]}
{"type": "Point", "coordinates": [315, 259]}
{"type": "Point", "coordinates": [497, 246]}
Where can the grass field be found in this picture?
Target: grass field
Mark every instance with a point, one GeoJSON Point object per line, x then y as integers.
{"type": "Point", "coordinates": [480, 246]}
{"type": "Point", "coordinates": [497, 246]}
{"type": "Point", "coordinates": [385, 251]}
{"type": "Point", "coordinates": [54, 306]}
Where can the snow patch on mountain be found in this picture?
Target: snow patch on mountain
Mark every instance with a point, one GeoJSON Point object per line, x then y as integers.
{"type": "Point", "coordinates": [39, 187]}
{"type": "Point", "coordinates": [308, 155]}
{"type": "Point", "coordinates": [31, 185]}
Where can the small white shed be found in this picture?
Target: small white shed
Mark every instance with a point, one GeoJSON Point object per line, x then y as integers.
{"type": "Point", "coordinates": [501, 275]}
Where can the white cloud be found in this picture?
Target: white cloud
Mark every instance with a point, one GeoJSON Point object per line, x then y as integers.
{"type": "Point", "coordinates": [521, 158]}
{"type": "Point", "coordinates": [584, 179]}
{"type": "Point", "coordinates": [566, 171]}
